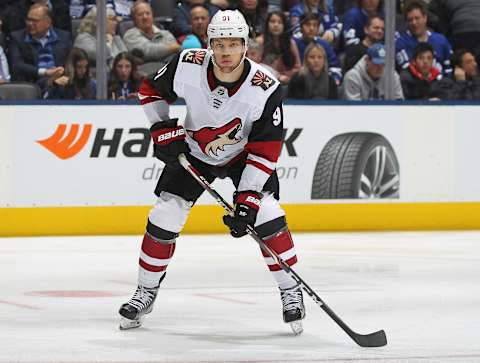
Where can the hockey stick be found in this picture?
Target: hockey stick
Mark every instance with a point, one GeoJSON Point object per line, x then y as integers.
{"type": "Point", "coordinates": [376, 339]}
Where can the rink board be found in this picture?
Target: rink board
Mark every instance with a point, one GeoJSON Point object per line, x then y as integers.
{"type": "Point", "coordinates": [88, 169]}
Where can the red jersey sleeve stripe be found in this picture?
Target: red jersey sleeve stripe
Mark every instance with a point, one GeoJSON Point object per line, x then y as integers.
{"type": "Point", "coordinates": [269, 150]}
{"type": "Point", "coordinates": [148, 93]}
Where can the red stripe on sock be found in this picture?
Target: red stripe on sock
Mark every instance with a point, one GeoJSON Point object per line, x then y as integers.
{"type": "Point", "coordinates": [156, 249]}
{"type": "Point", "coordinates": [290, 262]}
{"type": "Point", "coordinates": [151, 268]}
{"type": "Point", "coordinates": [280, 243]}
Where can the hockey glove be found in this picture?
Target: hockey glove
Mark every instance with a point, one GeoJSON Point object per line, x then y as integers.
{"type": "Point", "coordinates": [247, 204]}
{"type": "Point", "coordinates": [168, 141]}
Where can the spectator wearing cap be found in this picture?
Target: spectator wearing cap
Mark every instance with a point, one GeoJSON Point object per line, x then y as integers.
{"type": "Point", "coordinates": [366, 80]}
{"type": "Point", "coordinates": [309, 34]}
{"type": "Point", "coordinates": [279, 49]}
{"type": "Point", "coordinates": [355, 19]}
{"type": "Point", "coordinates": [182, 20]}
{"type": "Point", "coordinates": [312, 81]}
{"type": "Point", "coordinates": [199, 37]}
{"type": "Point", "coordinates": [329, 26]}
{"type": "Point", "coordinates": [416, 17]}
{"type": "Point", "coordinates": [374, 33]}
{"type": "Point", "coordinates": [39, 51]}
{"type": "Point", "coordinates": [466, 75]}
{"type": "Point", "coordinates": [422, 81]}
{"type": "Point", "coordinates": [157, 45]}
{"type": "Point", "coordinates": [87, 36]}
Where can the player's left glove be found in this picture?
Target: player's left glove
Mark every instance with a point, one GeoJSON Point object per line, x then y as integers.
{"type": "Point", "coordinates": [168, 141]}
{"type": "Point", "coordinates": [247, 204]}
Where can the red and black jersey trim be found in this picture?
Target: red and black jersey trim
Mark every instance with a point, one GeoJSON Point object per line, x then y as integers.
{"type": "Point", "coordinates": [160, 84]}
{"type": "Point", "coordinates": [194, 57]}
{"type": "Point", "coordinates": [213, 83]}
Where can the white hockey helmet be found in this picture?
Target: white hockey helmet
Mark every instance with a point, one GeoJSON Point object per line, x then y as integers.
{"type": "Point", "coordinates": [227, 24]}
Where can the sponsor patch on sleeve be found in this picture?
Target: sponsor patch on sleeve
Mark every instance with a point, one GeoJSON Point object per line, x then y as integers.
{"type": "Point", "coordinates": [260, 79]}
{"type": "Point", "coordinates": [194, 56]}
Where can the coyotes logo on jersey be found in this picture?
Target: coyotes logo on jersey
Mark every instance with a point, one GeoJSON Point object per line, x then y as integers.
{"type": "Point", "coordinates": [262, 80]}
{"type": "Point", "coordinates": [211, 139]}
{"type": "Point", "coordinates": [194, 56]}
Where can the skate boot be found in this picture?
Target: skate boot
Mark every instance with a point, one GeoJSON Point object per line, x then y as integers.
{"type": "Point", "coordinates": [293, 308]}
{"type": "Point", "coordinates": [133, 312]}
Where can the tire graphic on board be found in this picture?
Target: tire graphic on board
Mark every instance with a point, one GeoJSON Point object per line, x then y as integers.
{"type": "Point", "coordinates": [356, 165]}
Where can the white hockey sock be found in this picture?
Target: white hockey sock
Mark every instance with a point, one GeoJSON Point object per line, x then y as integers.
{"type": "Point", "coordinates": [149, 279]}
{"type": "Point", "coordinates": [283, 280]}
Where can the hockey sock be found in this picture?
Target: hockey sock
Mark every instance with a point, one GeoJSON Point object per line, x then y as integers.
{"type": "Point", "coordinates": [282, 244]}
{"type": "Point", "coordinates": [154, 258]}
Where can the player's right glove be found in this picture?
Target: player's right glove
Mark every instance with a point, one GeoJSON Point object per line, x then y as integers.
{"type": "Point", "coordinates": [168, 141]}
{"type": "Point", "coordinates": [247, 204]}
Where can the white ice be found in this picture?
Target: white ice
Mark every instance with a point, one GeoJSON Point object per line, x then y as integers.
{"type": "Point", "coordinates": [219, 302]}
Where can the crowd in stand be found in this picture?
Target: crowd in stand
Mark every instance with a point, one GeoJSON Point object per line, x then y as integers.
{"type": "Point", "coordinates": [318, 49]}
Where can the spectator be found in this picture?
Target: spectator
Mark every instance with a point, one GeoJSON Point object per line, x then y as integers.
{"type": "Point", "coordinates": [308, 34]}
{"type": "Point", "coordinates": [417, 32]}
{"type": "Point", "coordinates": [366, 80]}
{"type": "Point", "coordinates": [255, 53]}
{"type": "Point", "coordinates": [255, 16]}
{"type": "Point", "coordinates": [279, 50]}
{"type": "Point", "coordinates": [356, 18]}
{"type": "Point", "coordinates": [198, 38]}
{"type": "Point", "coordinates": [182, 21]}
{"type": "Point", "coordinates": [39, 51]}
{"type": "Point", "coordinates": [329, 28]}
{"type": "Point", "coordinates": [421, 80]}
{"type": "Point", "coordinates": [466, 75]}
{"type": "Point", "coordinates": [4, 72]}
{"type": "Point", "coordinates": [312, 81]}
{"type": "Point", "coordinates": [14, 13]}
{"type": "Point", "coordinates": [374, 33]}
{"type": "Point", "coordinates": [459, 20]}
{"type": "Point", "coordinates": [124, 78]}
{"type": "Point", "coordinates": [157, 45]}
{"type": "Point", "coordinates": [76, 84]}
{"type": "Point", "coordinates": [87, 36]}
{"type": "Point", "coordinates": [79, 8]}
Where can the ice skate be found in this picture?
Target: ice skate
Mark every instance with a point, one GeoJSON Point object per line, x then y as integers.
{"type": "Point", "coordinates": [132, 312]}
{"type": "Point", "coordinates": [293, 308]}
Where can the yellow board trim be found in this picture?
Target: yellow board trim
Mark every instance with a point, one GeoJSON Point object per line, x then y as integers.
{"type": "Point", "coordinates": [207, 218]}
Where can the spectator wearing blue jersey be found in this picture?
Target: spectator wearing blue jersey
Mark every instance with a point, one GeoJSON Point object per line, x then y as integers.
{"type": "Point", "coordinates": [330, 28]}
{"type": "Point", "coordinates": [355, 19]}
{"type": "Point", "coordinates": [182, 21]}
{"type": "Point", "coordinates": [417, 32]}
{"type": "Point", "coordinates": [308, 34]}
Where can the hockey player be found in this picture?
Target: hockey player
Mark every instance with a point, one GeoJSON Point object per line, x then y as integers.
{"type": "Point", "coordinates": [233, 128]}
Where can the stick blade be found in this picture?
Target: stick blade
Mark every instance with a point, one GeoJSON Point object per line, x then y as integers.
{"type": "Point", "coordinates": [377, 339]}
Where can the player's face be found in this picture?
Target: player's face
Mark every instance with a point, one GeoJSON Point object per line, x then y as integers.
{"type": "Point", "coordinates": [228, 53]}
{"type": "Point", "coordinates": [315, 61]}
{"type": "Point", "coordinates": [376, 30]}
{"type": "Point", "coordinates": [417, 22]}
{"type": "Point", "coordinates": [275, 25]}
{"type": "Point", "coordinates": [424, 62]}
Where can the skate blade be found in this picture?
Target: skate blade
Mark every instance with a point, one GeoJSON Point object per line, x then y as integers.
{"type": "Point", "coordinates": [297, 327]}
{"type": "Point", "coordinates": [126, 324]}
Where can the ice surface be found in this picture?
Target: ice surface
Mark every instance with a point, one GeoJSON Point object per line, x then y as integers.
{"type": "Point", "coordinates": [60, 295]}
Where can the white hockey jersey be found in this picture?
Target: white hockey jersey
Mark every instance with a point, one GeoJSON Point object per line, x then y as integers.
{"type": "Point", "coordinates": [223, 121]}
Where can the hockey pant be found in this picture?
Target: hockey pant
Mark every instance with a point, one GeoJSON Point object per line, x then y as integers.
{"type": "Point", "coordinates": [168, 216]}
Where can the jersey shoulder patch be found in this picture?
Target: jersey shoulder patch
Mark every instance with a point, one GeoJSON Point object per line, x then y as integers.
{"type": "Point", "coordinates": [262, 80]}
{"type": "Point", "coordinates": [194, 57]}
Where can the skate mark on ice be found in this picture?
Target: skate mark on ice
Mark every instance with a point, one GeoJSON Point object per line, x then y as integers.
{"type": "Point", "coordinates": [30, 307]}
{"type": "Point", "coordinates": [216, 297]}
{"type": "Point", "coordinates": [75, 293]}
